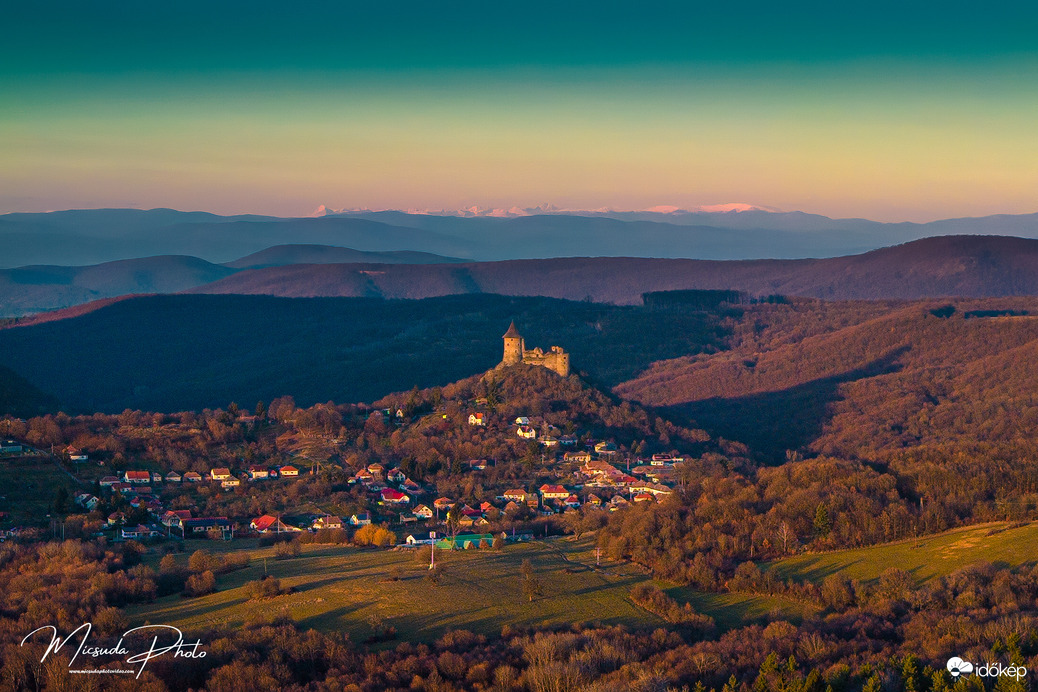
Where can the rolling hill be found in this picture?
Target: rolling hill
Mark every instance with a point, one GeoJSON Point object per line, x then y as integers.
{"type": "Point", "coordinates": [972, 266]}
{"type": "Point", "coordinates": [280, 255]}
{"type": "Point", "coordinates": [34, 289]}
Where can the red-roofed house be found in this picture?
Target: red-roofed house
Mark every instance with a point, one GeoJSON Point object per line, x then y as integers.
{"type": "Point", "coordinates": [141, 477]}
{"type": "Point", "coordinates": [289, 471]}
{"type": "Point", "coordinates": [258, 473]}
{"type": "Point", "coordinates": [269, 524]}
{"type": "Point", "coordinates": [553, 492]}
{"type": "Point", "coordinates": [394, 497]}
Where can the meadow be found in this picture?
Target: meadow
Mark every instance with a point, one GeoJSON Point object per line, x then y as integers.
{"type": "Point", "coordinates": [362, 590]}
{"type": "Point", "coordinates": [927, 557]}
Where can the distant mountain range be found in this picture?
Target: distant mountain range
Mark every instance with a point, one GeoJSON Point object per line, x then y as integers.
{"type": "Point", "coordinates": [81, 237]}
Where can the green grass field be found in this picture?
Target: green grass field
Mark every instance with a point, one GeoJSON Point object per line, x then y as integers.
{"type": "Point", "coordinates": [926, 557]}
{"type": "Point", "coordinates": [338, 588]}
{"type": "Point", "coordinates": [342, 588]}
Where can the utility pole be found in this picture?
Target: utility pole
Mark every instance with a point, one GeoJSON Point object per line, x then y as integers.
{"type": "Point", "coordinates": [598, 557]}
{"type": "Point", "coordinates": [432, 550]}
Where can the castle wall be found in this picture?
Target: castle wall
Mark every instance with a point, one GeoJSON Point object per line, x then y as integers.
{"type": "Point", "coordinates": [556, 360]}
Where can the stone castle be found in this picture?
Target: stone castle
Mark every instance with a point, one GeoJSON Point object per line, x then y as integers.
{"type": "Point", "coordinates": [556, 359]}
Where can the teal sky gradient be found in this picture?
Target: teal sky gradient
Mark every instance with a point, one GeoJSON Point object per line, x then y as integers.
{"type": "Point", "coordinates": [884, 110]}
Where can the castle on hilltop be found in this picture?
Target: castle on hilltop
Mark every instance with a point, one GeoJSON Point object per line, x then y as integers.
{"type": "Point", "coordinates": [556, 359]}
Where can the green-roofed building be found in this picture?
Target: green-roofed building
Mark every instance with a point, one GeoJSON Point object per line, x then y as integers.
{"type": "Point", "coordinates": [467, 541]}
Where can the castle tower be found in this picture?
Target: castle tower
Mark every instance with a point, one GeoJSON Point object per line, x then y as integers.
{"type": "Point", "coordinates": [513, 346]}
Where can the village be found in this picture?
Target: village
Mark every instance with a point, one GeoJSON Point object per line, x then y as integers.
{"type": "Point", "coordinates": [280, 473]}
{"type": "Point", "coordinates": [596, 478]}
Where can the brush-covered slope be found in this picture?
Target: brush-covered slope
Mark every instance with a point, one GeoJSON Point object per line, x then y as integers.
{"type": "Point", "coordinates": [863, 380]}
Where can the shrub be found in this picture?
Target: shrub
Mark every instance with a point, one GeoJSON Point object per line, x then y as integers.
{"type": "Point", "coordinates": [283, 551]}
{"type": "Point", "coordinates": [372, 534]}
{"type": "Point", "coordinates": [267, 587]}
{"type": "Point", "coordinates": [200, 584]}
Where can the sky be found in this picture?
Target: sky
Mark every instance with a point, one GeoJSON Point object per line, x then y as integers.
{"type": "Point", "coordinates": [890, 111]}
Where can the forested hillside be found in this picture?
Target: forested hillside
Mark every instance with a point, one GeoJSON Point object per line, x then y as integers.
{"type": "Point", "coordinates": [170, 353]}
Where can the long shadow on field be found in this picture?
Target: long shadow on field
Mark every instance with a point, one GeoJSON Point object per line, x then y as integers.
{"type": "Point", "coordinates": [773, 422]}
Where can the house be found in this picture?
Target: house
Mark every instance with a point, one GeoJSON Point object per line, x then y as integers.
{"type": "Point", "coordinates": [328, 522]}
{"type": "Point", "coordinates": [412, 540]}
{"type": "Point", "coordinates": [394, 497]}
{"type": "Point", "coordinates": [174, 516]}
{"type": "Point", "coordinates": [664, 459]}
{"type": "Point", "coordinates": [202, 525]}
{"type": "Point", "coordinates": [409, 486]}
{"type": "Point", "coordinates": [116, 518]}
{"type": "Point", "coordinates": [511, 508]}
{"type": "Point", "coordinates": [192, 477]}
{"type": "Point", "coordinates": [122, 488]}
{"type": "Point", "coordinates": [549, 441]}
{"type": "Point", "coordinates": [568, 440]}
{"type": "Point", "coordinates": [270, 524]}
{"type": "Point", "coordinates": [91, 503]}
{"type": "Point", "coordinates": [272, 472]}
{"type": "Point", "coordinates": [139, 532]}
{"type": "Point", "coordinates": [485, 507]}
{"type": "Point", "coordinates": [258, 473]}
{"type": "Point", "coordinates": [479, 419]}
{"type": "Point", "coordinates": [288, 471]}
{"type": "Point", "coordinates": [407, 518]}
{"type": "Point", "coordinates": [618, 502]}
{"type": "Point", "coordinates": [423, 512]}
{"type": "Point", "coordinates": [220, 474]}
{"type": "Point", "coordinates": [361, 519]}
{"type": "Point", "coordinates": [526, 432]}
{"type": "Point", "coordinates": [11, 447]}
{"type": "Point", "coordinates": [644, 497]}
{"type": "Point", "coordinates": [653, 489]}
{"type": "Point", "coordinates": [553, 492]}
{"type": "Point", "coordinates": [138, 477]}
{"type": "Point", "coordinates": [396, 476]}
{"type": "Point", "coordinates": [481, 522]}
{"type": "Point", "coordinates": [173, 477]}
{"type": "Point", "coordinates": [572, 501]}
{"type": "Point", "coordinates": [376, 470]}
{"type": "Point", "coordinates": [156, 477]}
{"type": "Point", "coordinates": [478, 464]}
{"type": "Point", "coordinates": [516, 495]}
{"type": "Point", "coordinates": [605, 448]}
{"type": "Point", "coordinates": [108, 481]}
{"type": "Point", "coordinates": [579, 457]}
{"type": "Point", "coordinates": [522, 420]}
{"type": "Point", "coordinates": [76, 454]}
{"type": "Point", "coordinates": [466, 521]}
{"type": "Point", "coordinates": [442, 503]}
{"type": "Point", "coordinates": [594, 500]}
{"type": "Point", "coordinates": [230, 483]}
